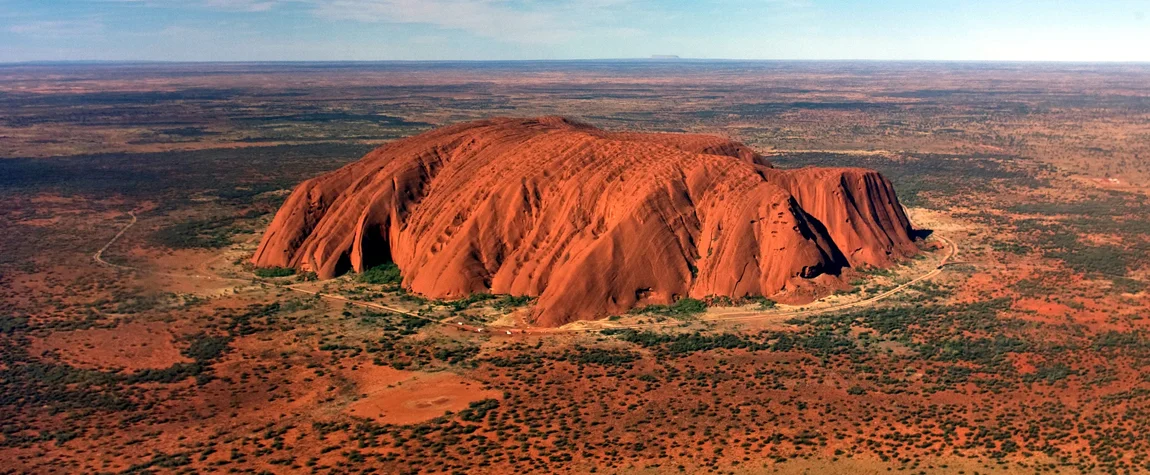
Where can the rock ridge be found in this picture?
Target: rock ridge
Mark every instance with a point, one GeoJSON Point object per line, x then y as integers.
{"type": "Point", "coordinates": [591, 222]}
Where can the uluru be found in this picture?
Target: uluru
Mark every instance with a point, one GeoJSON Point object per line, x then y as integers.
{"type": "Point", "coordinates": [591, 222]}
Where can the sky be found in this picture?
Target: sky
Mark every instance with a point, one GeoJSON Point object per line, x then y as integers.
{"type": "Point", "coordinates": [302, 30]}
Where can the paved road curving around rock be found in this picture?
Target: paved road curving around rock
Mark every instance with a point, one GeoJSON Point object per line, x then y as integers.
{"type": "Point", "coordinates": [730, 317]}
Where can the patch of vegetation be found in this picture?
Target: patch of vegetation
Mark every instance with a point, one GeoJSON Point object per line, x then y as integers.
{"type": "Point", "coordinates": [10, 324]}
{"type": "Point", "coordinates": [601, 356]}
{"type": "Point", "coordinates": [398, 323]}
{"type": "Point", "coordinates": [393, 347]}
{"type": "Point", "coordinates": [455, 354]}
{"type": "Point", "coordinates": [1015, 248]}
{"type": "Point", "coordinates": [511, 301]}
{"type": "Point", "coordinates": [684, 307]}
{"type": "Point", "coordinates": [273, 272]}
{"type": "Point", "coordinates": [1050, 374]}
{"type": "Point", "coordinates": [404, 353]}
{"type": "Point", "coordinates": [172, 374]}
{"type": "Point", "coordinates": [1103, 260]}
{"type": "Point", "coordinates": [1128, 286]}
{"type": "Point", "coordinates": [467, 301]}
{"type": "Point", "coordinates": [150, 175]}
{"type": "Point", "coordinates": [205, 348]}
{"type": "Point", "coordinates": [764, 303]}
{"type": "Point", "coordinates": [683, 343]}
{"type": "Point", "coordinates": [187, 132]}
{"type": "Point", "coordinates": [985, 351]}
{"type": "Point", "coordinates": [30, 382]}
{"type": "Point", "coordinates": [477, 411]}
{"type": "Point", "coordinates": [974, 317]}
{"type": "Point", "coordinates": [1116, 214]}
{"type": "Point", "coordinates": [498, 302]}
{"type": "Point", "coordinates": [255, 319]}
{"type": "Point", "coordinates": [160, 460]}
{"type": "Point", "coordinates": [384, 274]}
{"type": "Point", "coordinates": [210, 233]}
{"type": "Point", "coordinates": [1132, 343]}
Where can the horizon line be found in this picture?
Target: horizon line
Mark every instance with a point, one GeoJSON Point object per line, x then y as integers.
{"type": "Point", "coordinates": [567, 60]}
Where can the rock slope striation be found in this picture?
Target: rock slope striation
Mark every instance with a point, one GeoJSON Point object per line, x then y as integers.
{"type": "Point", "coordinates": [591, 222]}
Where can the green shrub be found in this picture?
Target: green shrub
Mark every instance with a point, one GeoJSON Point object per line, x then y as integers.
{"type": "Point", "coordinates": [198, 234]}
{"type": "Point", "coordinates": [385, 274]}
{"type": "Point", "coordinates": [271, 272]}
{"type": "Point", "coordinates": [478, 410]}
{"type": "Point", "coordinates": [511, 301]}
{"type": "Point", "coordinates": [1128, 286]}
{"type": "Point", "coordinates": [10, 324]}
{"type": "Point", "coordinates": [684, 307]}
{"type": "Point", "coordinates": [465, 302]}
{"type": "Point", "coordinates": [205, 348]}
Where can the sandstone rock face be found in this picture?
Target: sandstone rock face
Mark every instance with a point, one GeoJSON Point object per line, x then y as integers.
{"type": "Point", "coordinates": [590, 222]}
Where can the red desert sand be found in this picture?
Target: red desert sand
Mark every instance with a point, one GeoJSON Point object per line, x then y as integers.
{"type": "Point", "coordinates": [591, 222]}
{"type": "Point", "coordinates": [404, 397]}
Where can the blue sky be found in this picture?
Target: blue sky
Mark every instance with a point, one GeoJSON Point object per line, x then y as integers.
{"type": "Point", "coordinates": [239, 30]}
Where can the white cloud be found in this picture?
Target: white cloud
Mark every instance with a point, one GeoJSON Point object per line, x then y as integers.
{"type": "Point", "coordinates": [516, 21]}
{"type": "Point", "coordinates": [536, 28]}
{"type": "Point", "coordinates": [521, 21]}
{"type": "Point", "coordinates": [242, 5]}
{"type": "Point", "coordinates": [58, 28]}
{"type": "Point", "coordinates": [224, 5]}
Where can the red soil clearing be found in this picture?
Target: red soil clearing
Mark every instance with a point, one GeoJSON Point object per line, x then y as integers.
{"type": "Point", "coordinates": [404, 397]}
{"type": "Point", "coordinates": [130, 346]}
